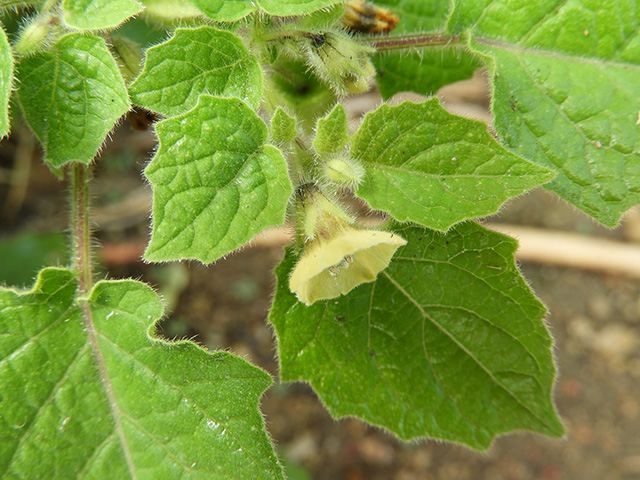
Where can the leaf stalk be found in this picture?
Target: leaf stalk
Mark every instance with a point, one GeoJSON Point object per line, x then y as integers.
{"type": "Point", "coordinates": [81, 232]}
{"type": "Point", "coordinates": [401, 42]}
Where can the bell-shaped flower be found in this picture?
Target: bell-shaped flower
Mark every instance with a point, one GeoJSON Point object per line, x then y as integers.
{"type": "Point", "coordinates": [332, 267]}
{"type": "Point", "coordinates": [336, 256]}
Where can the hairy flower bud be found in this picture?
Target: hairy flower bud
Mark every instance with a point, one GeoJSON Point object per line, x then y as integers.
{"type": "Point", "coordinates": [34, 33]}
{"type": "Point", "coordinates": [340, 61]}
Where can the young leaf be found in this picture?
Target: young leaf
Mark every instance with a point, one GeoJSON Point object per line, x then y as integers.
{"type": "Point", "coordinates": [86, 392]}
{"type": "Point", "coordinates": [232, 10]}
{"type": "Point", "coordinates": [566, 90]}
{"type": "Point", "coordinates": [98, 14]}
{"type": "Point", "coordinates": [428, 166]}
{"type": "Point", "coordinates": [283, 127]}
{"type": "Point", "coordinates": [332, 132]}
{"type": "Point", "coordinates": [427, 70]}
{"type": "Point", "coordinates": [196, 61]}
{"type": "Point", "coordinates": [6, 80]}
{"type": "Point", "coordinates": [448, 343]}
{"type": "Point", "coordinates": [215, 183]}
{"type": "Point", "coordinates": [72, 95]}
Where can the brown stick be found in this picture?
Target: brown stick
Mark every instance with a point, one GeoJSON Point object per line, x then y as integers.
{"type": "Point", "coordinates": [572, 250]}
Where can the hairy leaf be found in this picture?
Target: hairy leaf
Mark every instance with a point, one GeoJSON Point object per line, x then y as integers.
{"type": "Point", "coordinates": [428, 166]}
{"type": "Point", "coordinates": [72, 95]}
{"type": "Point", "coordinates": [566, 87]}
{"type": "Point", "coordinates": [426, 70]}
{"type": "Point", "coordinates": [232, 10]}
{"type": "Point", "coordinates": [216, 184]}
{"type": "Point", "coordinates": [6, 80]}
{"type": "Point", "coordinates": [448, 343]}
{"type": "Point", "coordinates": [283, 127]}
{"type": "Point", "coordinates": [332, 132]}
{"type": "Point", "coordinates": [87, 391]}
{"type": "Point", "coordinates": [172, 12]}
{"type": "Point", "coordinates": [98, 14]}
{"type": "Point", "coordinates": [193, 62]}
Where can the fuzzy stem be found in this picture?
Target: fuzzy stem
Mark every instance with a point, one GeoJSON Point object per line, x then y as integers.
{"type": "Point", "coordinates": [81, 240]}
{"type": "Point", "coordinates": [400, 42]}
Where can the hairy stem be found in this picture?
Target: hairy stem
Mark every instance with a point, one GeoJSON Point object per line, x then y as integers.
{"type": "Point", "coordinates": [403, 42]}
{"type": "Point", "coordinates": [81, 233]}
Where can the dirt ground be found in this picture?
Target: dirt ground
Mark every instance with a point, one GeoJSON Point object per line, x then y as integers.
{"type": "Point", "coordinates": [594, 318]}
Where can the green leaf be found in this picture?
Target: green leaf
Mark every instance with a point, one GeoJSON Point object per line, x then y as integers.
{"type": "Point", "coordinates": [448, 343]}
{"type": "Point", "coordinates": [428, 166]}
{"type": "Point", "coordinates": [6, 81]}
{"type": "Point", "coordinates": [98, 14]}
{"type": "Point", "coordinates": [225, 10]}
{"type": "Point", "coordinates": [232, 10]}
{"type": "Point", "coordinates": [193, 62]}
{"type": "Point", "coordinates": [171, 12]}
{"type": "Point", "coordinates": [283, 127]}
{"type": "Point", "coordinates": [427, 70]}
{"type": "Point", "coordinates": [294, 7]}
{"type": "Point", "coordinates": [72, 96]}
{"type": "Point", "coordinates": [215, 183]}
{"type": "Point", "coordinates": [332, 132]}
{"type": "Point", "coordinates": [86, 392]}
{"type": "Point", "coordinates": [566, 93]}
{"type": "Point", "coordinates": [421, 72]}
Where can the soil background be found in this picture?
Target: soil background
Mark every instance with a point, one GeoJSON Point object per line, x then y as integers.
{"type": "Point", "coordinates": [594, 318]}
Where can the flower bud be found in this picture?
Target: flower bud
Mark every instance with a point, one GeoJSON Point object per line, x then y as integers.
{"type": "Point", "coordinates": [340, 61]}
{"type": "Point", "coordinates": [33, 34]}
{"type": "Point", "coordinates": [343, 171]}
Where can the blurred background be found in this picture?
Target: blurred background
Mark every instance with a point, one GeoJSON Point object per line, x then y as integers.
{"type": "Point", "coordinates": [594, 314]}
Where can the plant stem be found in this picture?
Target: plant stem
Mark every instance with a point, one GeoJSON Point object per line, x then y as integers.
{"type": "Point", "coordinates": [80, 179]}
{"type": "Point", "coordinates": [400, 42]}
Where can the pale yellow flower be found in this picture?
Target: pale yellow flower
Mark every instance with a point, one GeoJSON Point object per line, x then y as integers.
{"type": "Point", "coordinates": [333, 265]}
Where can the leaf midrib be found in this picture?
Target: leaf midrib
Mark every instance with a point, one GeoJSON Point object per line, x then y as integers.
{"type": "Point", "coordinates": [424, 315]}
{"type": "Point", "coordinates": [560, 56]}
{"type": "Point", "coordinates": [106, 382]}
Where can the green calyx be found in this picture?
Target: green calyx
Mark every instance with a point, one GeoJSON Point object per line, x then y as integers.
{"type": "Point", "coordinates": [317, 215]}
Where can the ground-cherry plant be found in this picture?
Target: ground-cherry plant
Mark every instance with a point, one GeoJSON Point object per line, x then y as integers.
{"type": "Point", "coordinates": [422, 326]}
